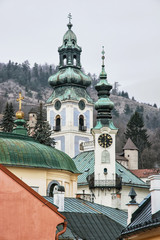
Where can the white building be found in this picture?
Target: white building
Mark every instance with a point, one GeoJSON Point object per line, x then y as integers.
{"type": "Point", "coordinates": [70, 114]}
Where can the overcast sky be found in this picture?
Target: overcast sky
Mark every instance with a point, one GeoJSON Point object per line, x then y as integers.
{"type": "Point", "coordinates": [128, 29]}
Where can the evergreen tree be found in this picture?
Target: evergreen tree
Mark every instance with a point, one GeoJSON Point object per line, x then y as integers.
{"type": "Point", "coordinates": [127, 109]}
{"type": "Point", "coordinates": [136, 131]}
{"type": "Point", "coordinates": [8, 118]}
{"type": "Point", "coordinates": [42, 132]}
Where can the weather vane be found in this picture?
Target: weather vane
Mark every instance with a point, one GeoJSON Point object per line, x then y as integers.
{"type": "Point", "coordinates": [70, 17]}
{"type": "Point", "coordinates": [20, 100]}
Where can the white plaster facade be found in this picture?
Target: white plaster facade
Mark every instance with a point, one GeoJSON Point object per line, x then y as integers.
{"type": "Point", "coordinates": [69, 137]}
{"type": "Point", "coordinates": [109, 164]}
{"type": "Point", "coordinates": [41, 178]}
{"type": "Point", "coordinates": [132, 156]}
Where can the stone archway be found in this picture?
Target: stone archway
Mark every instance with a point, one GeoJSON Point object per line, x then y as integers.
{"type": "Point", "coordinates": [50, 187]}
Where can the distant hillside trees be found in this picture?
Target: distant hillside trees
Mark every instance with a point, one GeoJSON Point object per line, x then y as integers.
{"type": "Point", "coordinates": [127, 110]}
{"type": "Point", "coordinates": [33, 77]}
{"type": "Point", "coordinates": [8, 118]}
{"type": "Point", "coordinates": [123, 94]}
{"type": "Point", "coordinates": [136, 131]}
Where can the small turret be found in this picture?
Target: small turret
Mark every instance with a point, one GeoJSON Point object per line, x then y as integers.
{"type": "Point", "coordinates": [131, 153]}
{"type": "Point", "coordinates": [132, 205]}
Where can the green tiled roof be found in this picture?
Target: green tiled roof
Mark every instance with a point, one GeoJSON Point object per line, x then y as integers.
{"type": "Point", "coordinates": [82, 206]}
{"type": "Point", "coordinates": [93, 226]}
{"type": "Point", "coordinates": [85, 161]}
{"type": "Point", "coordinates": [23, 151]}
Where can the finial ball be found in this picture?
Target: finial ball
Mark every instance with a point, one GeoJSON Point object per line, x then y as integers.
{"type": "Point", "coordinates": [20, 115]}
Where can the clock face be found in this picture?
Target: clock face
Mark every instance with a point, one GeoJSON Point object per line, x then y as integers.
{"type": "Point", "coordinates": [81, 104]}
{"type": "Point", "coordinates": [105, 140]}
{"type": "Point", "coordinates": [57, 105]}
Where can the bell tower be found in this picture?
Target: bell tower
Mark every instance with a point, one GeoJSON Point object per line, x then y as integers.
{"type": "Point", "coordinates": [104, 134]}
{"type": "Point", "coordinates": [70, 108]}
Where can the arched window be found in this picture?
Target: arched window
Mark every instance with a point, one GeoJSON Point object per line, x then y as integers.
{"type": "Point", "coordinates": [64, 60]}
{"type": "Point", "coordinates": [58, 123]}
{"type": "Point", "coordinates": [74, 60]}
{"type": "Point", "coordinates": [81, 123]}
{"type": "Point", "coordinates": [105, 157]}
{"type": "Point", "coordinates": [50, 187]}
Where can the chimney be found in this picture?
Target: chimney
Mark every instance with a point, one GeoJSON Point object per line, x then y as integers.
{"type": "Point", "coordinates": [58, 197]}
{"type": "Point", "coordinates": [155, 193]}
{"type": "Point", "coordinates": [132, 205]}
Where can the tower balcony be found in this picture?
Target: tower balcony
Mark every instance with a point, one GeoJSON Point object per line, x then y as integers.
{"type": "Point", "coordinates": [117, 183]}
{"type": "Point", "coordinates": [82, 128]}
{"type": "Point", "coordinates": [56, 128]}
{"type": "Point", "coordinates": [105, 183]}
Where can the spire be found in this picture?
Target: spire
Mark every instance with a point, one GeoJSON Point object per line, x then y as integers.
{"type": "Point", "coordinates": [69, 24]}
{"type": "Point", "coordinates": [70, 73]}
{"type": "Point", "coordinates": [104, 105]}
{"type": "Point", "coordinates": [103, 73]}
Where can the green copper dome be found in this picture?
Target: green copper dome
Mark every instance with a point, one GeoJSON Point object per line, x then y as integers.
{"type": "Point", "coordinates": [70, 76]}
{"type": "Point", "coordinates": [70, 39]}
{"type": "Point", "coordinates": [70, 73]}
{"type": "Point", "coordinates": [22, 151]}
{"type": "Point", "coordinates": [104, 105]}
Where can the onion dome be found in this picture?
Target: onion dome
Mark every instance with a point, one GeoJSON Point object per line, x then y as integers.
{"type": "Point", "coordinates": [70, 76]}
{"type": "Point", "coordinates": [23, 151]}
{"type": "Point", "coordinates": [104, 105]}
{"type": "Point", "coordinates": [70, 72]}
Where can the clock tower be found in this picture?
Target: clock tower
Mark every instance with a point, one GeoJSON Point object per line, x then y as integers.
{"type": "Point", "coordinates": [104, 134]}
{"type": "Point", "coordinates": [70, 108]}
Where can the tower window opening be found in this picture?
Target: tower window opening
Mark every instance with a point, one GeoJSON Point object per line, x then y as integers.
{"type": "Point", "coordinates": [81, 123]}
{"type": "Point", "coordinates": [74, 60]}
{"type": "Point", "coordinates": [58, 123]}
{"type": "Point", "coordinates": [73, 42]}
{"type": "Point", "coordinates": [64, 60]}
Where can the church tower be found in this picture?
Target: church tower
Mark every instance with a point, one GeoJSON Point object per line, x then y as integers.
{"type": "Point", "coordinates": [70, 108]}
{"type": "Point", "coordinates": [104, 134]}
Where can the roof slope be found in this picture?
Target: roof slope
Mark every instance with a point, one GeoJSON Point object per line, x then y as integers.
{"type": "Point", "coordinates": [130, 145]}
{"type": "Point", "coordinates": [142, 219]}
{"type": "Point", "coordinates": [85, 163]}
{"type": "Point", "coordinates": [145, 173]}
{"type": "Point", "coordinates": [30, 190]}
{"type": "Point", "coordinates": [18, 150]}
{"type": "Point", "coordinates": [82, 206]}
{"type": "Point", "coordinates": [93, 226]}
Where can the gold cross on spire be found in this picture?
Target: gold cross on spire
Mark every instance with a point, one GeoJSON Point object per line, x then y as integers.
{"type": "Point", "coordinates": [70, 17]}
{"type": "Point", "coordinates": [20, 100]}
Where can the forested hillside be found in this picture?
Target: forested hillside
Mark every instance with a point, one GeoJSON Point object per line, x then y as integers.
{"type": "Point", "coordinates": [33, 83]}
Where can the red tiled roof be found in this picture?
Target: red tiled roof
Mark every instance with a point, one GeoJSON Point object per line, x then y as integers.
{"type": "Point", "coordinates": [144, 173]}
{"type": "Point", "coordinates": [29, 189]}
